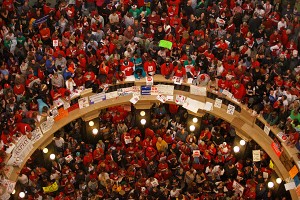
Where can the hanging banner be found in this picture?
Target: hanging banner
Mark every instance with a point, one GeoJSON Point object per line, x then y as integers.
{"type": "Point", "coordinates": [62, 113]}
{"type": "Point", "coordinates": [294, 171]}
{"type": "Point", "coordinates": [276, 148]}
{"type": "Point", "coordinates": [10, 185]}
{"type": "Point", "coordinates": [23, 147]}
{"type": "Point", "coordinates": [97, 98]}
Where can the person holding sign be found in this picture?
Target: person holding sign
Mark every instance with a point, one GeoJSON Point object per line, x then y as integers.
{"type": "Point", "coordinates": [179, 71]}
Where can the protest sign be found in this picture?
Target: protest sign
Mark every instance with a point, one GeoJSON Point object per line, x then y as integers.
{"type": "Point", "coordinates": [165, 43]}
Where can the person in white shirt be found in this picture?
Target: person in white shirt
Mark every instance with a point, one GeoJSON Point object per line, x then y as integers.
{"type": "Point", "coordinates": [70, 84]}
{"type": "Point", "coordinates": [23, 179]}
{"type": "Point", "coordinates": [281, 24]}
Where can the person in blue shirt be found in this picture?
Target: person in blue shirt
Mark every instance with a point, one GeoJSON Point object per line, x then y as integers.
{"type": "Point", "coordinates": [139, 73]}
{"type": "Point", "coordinates": [68, 72]}
{"type": "Point", "coordinates": [43, 107]}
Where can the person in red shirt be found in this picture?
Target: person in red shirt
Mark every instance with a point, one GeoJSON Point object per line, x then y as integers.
{"type": "Point", "coordinates": [127, 67]}
{"type": "Point", "coordinates": [167, 68]}
{"type": "Point", "coordinates": [87, 159]}
{"type": "Point", "coordinates": [45, 34]}
{"type": "Point", "coordinates": [179, 71]}
{"type": "Point", "coordinates": [238, 90]}
{"type": "Point", "coordinates": [150, 67]}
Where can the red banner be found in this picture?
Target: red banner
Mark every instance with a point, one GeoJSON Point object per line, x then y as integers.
{"type": "Point", "coordinates": [277, 148]}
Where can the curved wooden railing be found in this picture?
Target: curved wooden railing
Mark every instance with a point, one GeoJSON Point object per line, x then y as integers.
{"type": "Point", "coordinates": [242, 120]}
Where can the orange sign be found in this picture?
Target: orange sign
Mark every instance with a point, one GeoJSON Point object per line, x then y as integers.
{"type": "Point", "coordinates": [294, 171]}
{"type": "Point", "coordinates": [61, 114]}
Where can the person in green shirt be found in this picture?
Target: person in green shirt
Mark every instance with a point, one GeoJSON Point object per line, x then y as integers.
{"type": "Point", "coordinates": [295, 114]}
{"type": "Point", "coordinates": [135, 12]}
{"type": "Point", "coordinates": [21, 39]}
{"type": "Point", "coordinates": [146, 10]}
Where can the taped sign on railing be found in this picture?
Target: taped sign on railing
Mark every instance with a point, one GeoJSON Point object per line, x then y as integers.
{"type": "Point", "coordinates": [47, 125]}
{"type": "Point", "coordinates": [36, 135]}
{"type": "Point", "coordinates": [10, 185]}
{"type": "Point", "coordinates": [97, 98]}
{"type": "Point", "coordinates": [196, 90]}
{"type": "Point", "coordinates": [23, 147]}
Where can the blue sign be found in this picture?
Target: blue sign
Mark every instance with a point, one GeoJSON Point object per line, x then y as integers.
{"type": "Point", "coordinates": [146, 90]}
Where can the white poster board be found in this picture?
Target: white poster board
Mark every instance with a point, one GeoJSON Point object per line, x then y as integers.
{"type": "Point", "coordinates": [83, 102]}
{"type": "Point", "coordinates": [256, 155]}
{"type": "Point", "coordinates": [36, 135]}
{"type": "Point", "coordinates": [197, 90]}
{"type": "Point", "coordinates": [230, 109]}
{"type": "Point", "coordinates": [218, 103]}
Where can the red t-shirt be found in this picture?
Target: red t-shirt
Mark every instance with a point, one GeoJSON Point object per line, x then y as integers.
{"type": "Point", "coordinates": [179, 72]}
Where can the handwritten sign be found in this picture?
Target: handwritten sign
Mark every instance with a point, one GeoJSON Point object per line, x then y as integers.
{"type": "Point", "coordinates": [230, 109]}
{"type": "Point", "coordinates": [218, 103]}
{"type": "Point", "coordinates": [177, 80]}
{"type": "Point", "coordinates": [290, 186]}
{"type": "Point", "coordinates": [154, 90]}
{"type": "Point", "coordinates": [165, 89]}
{"type": "Point", "coordinates": [23, 147]}
{"type": "Point", "coordinates": [161, 98]}
{"type": "Point", "coordinates": [36, 135]}
{"type": "Point", "coordinates": [10, 185]}
{"type": "Point", "coordinates": [55, 43]}
{"type": "Point", "coordinates": [197, 90]}
{"type": "Point", "coordinates": [47, 125]}
{"type": "Point", "coordinates": [256, 155]}
{"type": "Point", "coordinates": [180, 99]}
{"type": "Point", "coordinates": [134, 99]}
{"type": "Point", "coordinates": [238, 188]}
{"type": "Point", "coordinates": [267, 129]}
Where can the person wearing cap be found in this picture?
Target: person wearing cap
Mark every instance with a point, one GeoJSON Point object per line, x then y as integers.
{"type": "Point", "coordinates": [68, 72]}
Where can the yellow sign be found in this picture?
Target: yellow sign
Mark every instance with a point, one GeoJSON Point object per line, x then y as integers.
{"type": "Point", "coordinates": [271, 165]}
{"type": "Point", "coordinates": [51, 188]}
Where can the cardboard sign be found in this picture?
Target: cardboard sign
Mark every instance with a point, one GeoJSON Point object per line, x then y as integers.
{"type": "Point", "coordinates": [36, 135]}
{"type": "Point", "coordinates": [294, 171]}
{"type": "Point", "coordinates": [177, 80]}
{"type": "Point", "coordinates": [197, 90]}
{"type": "Point", "coordinates": [230, 109]}
{"type": "Point", "coordinates": [51, 188]}
{"type": "Point", "coordinates": [256, 155]}
{"type": "Point", "coordinates": [218, 103]}
{"type": "Point", "coordinates": [149, 80]}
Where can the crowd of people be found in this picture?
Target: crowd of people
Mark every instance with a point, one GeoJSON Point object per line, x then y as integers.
{"type": "Point", "coordinates": [248, 48]}
{"type": "Point", "coordinates": [155, 162]}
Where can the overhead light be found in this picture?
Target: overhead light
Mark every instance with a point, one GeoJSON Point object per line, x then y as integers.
{"type": "Point", "coordinates": [143, 121]}
{"type": "Point", "coordinates": [52, 156]}
{"type": "Point", "coordinates": [278, 180]}
{"type": "Point", "coordinates": [195, 119]}
{"type": "Point", "coordinates": [13, 192]}
{"type": "Point", "coordinates": [242, 142]}
{"type": "Point", "coordinates": [95, 131]}
{"type": "Point", "coordinates": [236, 149]}
{"type": "Point", "coordinates": [192, 128]}
{"type": "Point", "coordinates": [142, 113]}
{"type": "Point", "coordinates": [91, 123]}
{"type": "Point", "coordinates": [270, 184]}
{"type": "Point", "coordinates": [45, 150]}
{"type": "Point", "coordinates": [22, 195]}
